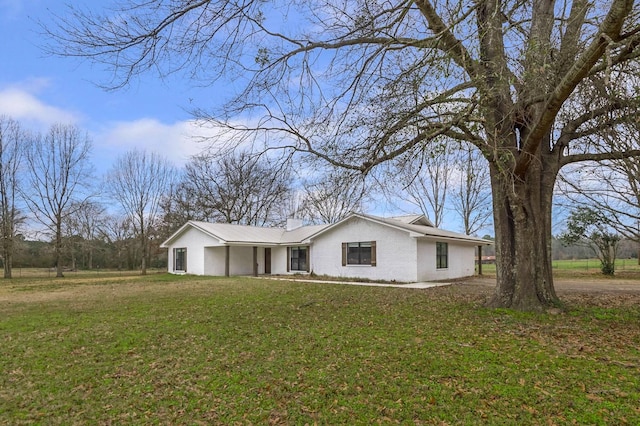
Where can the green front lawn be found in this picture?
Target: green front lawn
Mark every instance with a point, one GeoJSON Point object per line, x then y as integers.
{"type": "Point", "coordinates": [185, 350]}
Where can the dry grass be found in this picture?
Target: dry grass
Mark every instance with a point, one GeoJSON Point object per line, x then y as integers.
{"type": "Point", "coordinates": [185, 350]}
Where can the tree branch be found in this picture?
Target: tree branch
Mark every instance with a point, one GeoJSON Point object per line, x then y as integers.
{"type": "Point", "coordinates": [609, 30]}
{"type": "Point", "coordinates": [448, 41]}
{"type": "Point", "coordinates": [598, 157]}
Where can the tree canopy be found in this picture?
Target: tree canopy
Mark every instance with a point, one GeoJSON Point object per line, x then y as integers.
{"type": "Point", "coordinates": [531, 84]}
{"type": "Point", "coordinates": [137, 182]}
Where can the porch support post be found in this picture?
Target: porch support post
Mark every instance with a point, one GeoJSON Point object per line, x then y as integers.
{"type": "Point", "coordinates": [255, 261]}
{"type": "Point", "coordinates": [226, 260]}
{"type": "Point", "coordinates": [479, 260]}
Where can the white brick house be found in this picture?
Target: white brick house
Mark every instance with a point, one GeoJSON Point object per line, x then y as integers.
{"type": "Point", "coordinates": [403, 249]}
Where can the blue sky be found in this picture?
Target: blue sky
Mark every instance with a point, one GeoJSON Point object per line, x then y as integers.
{"type": "Point", "coordinates": [39, 90]}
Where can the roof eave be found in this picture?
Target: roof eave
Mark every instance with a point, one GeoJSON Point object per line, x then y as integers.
{"type": "Point", "coordinates": [166, 243]}
{"type": "Point", "coordinates": [183, 228]}
{"type": "Point", "coordinates": [475, 241]}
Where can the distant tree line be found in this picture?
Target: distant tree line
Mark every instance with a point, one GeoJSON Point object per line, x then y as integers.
{"type": "Point", "coordinates": [56, 213]}
{"type": "Point", "coordinates": [125, 255]}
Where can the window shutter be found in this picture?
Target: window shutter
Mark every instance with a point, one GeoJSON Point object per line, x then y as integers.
{"type": "Point", "coordinates": [373, 254]}
{"type": "Point", "coordinates": [308, 257]}
{"type": "Point", "coordinates": [344, 254]}
{"type": "Point", "coordinates": [185, 261]}
{"type": "Point", "coordinates": [227, 257]}
{"type": "Point", "coordinates": [288, 259]}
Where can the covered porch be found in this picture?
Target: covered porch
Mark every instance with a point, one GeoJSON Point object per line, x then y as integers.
{"type": "Point", "coordinates": [238, 259]}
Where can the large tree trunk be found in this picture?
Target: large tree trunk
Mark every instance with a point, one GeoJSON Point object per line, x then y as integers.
{"type": "Point", "coordinates": [58, 250]}
{"type": "Point", "coordinates": [522, 215]}
{"type": "Point", "coordinates": [7, 238]}
{"type": "Point", "coordinates": [8, 261]}
{"type": "Point", "coordinates": [144, 264]}
{"type": "Point", "coordinates": [7, 250]}
{"type": "Point", "coordinates": [143, 244]}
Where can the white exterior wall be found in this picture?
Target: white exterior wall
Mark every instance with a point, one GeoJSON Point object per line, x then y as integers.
{"type": "Point", "coordinates": [240, 261]}
{"type": "Point", "coordinates": [195, 242]}
{"type": "Point", "coordinates": [279, 260]}
{"type": "Point", "coordinates": [396, 252]}
{"type": "Point", "coordinates": [461, 260]}
{"type": "Point", "coordinates": [214, 260]}
{"type": "Point", "coordinates": [427, 262]}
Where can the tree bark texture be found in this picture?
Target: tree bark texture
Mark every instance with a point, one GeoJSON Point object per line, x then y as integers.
{"type": "Point", "coordinates": [8, 264]}
{"type": "Point", "coordinates": [522, 218]}
{"type": "Point", "coordinates": [58, 248]}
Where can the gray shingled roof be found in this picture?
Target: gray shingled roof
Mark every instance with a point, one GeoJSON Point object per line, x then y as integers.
{"type": "Point", "coordinates": [243, 234]}
{"type": "Point", "coordinates": [430, 231]}
{"type": "Point", "coordinates": [416, 230]}
{"type": "Point", "coordinates": [413, 219]}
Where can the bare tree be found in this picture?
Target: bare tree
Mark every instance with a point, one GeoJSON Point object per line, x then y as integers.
{"type": "Point", "coordinates": [85, 222]}
{"type": "Point", "coordinates": [239, 188]}
{"type": "Point", "coordinates": [611, 187]}
{"type": "Point", "coordinates": [358, 83]}
{"type": "Point", "coordinates": [59, 175]}
{"type": "Point", "coordinates": [137, 181]}
{"type": "Point", "coordinates": [117, 231]}
{"type": "Point", "coordinates": [13, 140]}
{"type": "Point", "coordinates": [471, 196]}
{"type": "Point", "coordinates": [425, 180]}
{"type": "Point", "coordinates": [331, 197]}
{"type": "Point", "coordinates": [180, 205]}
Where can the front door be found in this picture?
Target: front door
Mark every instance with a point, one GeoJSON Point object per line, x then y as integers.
{"type": "Point", "coordinates": [267, 260]}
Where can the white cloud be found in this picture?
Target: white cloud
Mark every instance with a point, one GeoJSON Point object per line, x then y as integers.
{"type": "Point", "coordinates": [176, 142]}
{"type": "Point", "coordinates": [22, 105]}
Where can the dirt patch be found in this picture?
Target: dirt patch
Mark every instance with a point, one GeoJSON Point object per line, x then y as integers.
{"type": "Point", "coordinates": [583, 291]}
{"type": "Point", "coordinates": [565, 285]}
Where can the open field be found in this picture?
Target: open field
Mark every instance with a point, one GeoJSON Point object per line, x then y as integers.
{"type": "Point", "coordinates": [163, 349]}
{"type": "Point", "coordinates": [51, 273]}
{"type": "Point", "coordinates": [582, 266]}
{"type": "Point", "coordinates": [594, 265]}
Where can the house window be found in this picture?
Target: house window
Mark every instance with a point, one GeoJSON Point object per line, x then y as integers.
{"type": "Point", "coordinates": [180, 259]}
{"type": "Point", "coordinates": [299, 258]}
{"type": "Point", "coordinates": [360, 253]}
{"type": "Point", "coordinates": [442, 255]}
